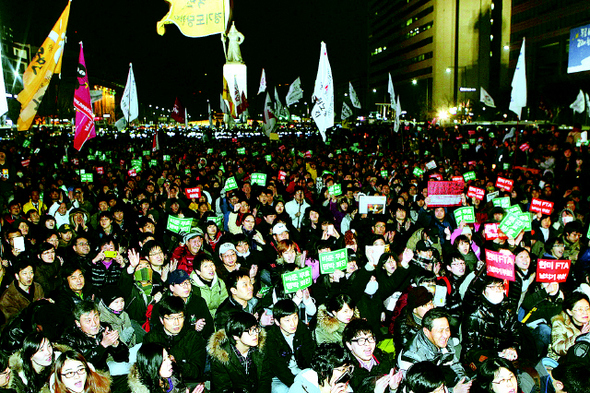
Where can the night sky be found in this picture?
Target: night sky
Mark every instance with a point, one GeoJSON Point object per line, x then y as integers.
{"type": "Point", "coordinates": [281, 36]}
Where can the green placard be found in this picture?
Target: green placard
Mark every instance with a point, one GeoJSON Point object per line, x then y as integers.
{"type": "Point", "coordinates": [231, 184]}
{"type": "Point", "coordinates": [258, 178]}
{"type": "Point", "coordinates": [242, 150]}
{"type": "Point", "coordinates": [177, 225]}
{"type": "Point", "coordinates": [418, 172]}
{"type": "Point", "coordinates": [300, 154]}
{"type": "Point", "coordinates": [526, 220]}
{"type": "Point", "coordinates": [166, 158]}
{"type": "Point", "coordinates": [465, 214]}
{"type": "Point", "coordinates": [64, 159]}
{"type": "Point", "coordinates": [333, 260]}
{"type": "Point", "coordinates": [153, 162]}
{"type": "Point", "coordinates": [146, 152]}
{"type": "Point", "coordinates": [187, 171]}
{"type": "Point", "coordinates": [335, 190]}
{"type": "Point", "coordinates": [255, 154]}
{"type": "Point", "coordinates": [26, 143]}
{"type": "Point", "coordinates": [210, 150]}
{"type": "Point", "coordinates": [384, 173]}
{"type": "Point", "coordinates": [87, 177]}
{"type": "Point", "coordinates": [327, 173]}
{"type": "Point", "coordinates": [136, 164]}
{"type": "Point", "coordinates": [217, 220]}
{"type": "Point", "coordinates": [338, 151]}
{"type": "Point", "coordinates": [268, 157]}
{"type": "Point", "coordinates": [472, 141]}
{"type": "Point", "coordinates": [491, 134]}
{"type": "Point", "coordinates": [90, 158]}
{"type": "Point", "coordinates": [514, 209]}
{"type": "Point", "coordinates": [469, 176]}
{"type": "Point", "coordinates": [222, 168]}
{"type": "Point", "coordinates": [297, 280]}
{"type": "Point", "coordinates": [502, 202]}
{"type": "Point", "coordinates": [465, 146]}
{"type": "Point", "coordinates": [82, 171]}
{"type": "Point", "coordinates": [223, 153]}
{"type": "Point", "coordinates": [511, 225]}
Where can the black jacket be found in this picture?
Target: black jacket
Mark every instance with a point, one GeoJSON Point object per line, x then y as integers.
{"type": "Point", "coordinates": [363, 380]}
{"type": "Point", "coordinates": [279, 352]}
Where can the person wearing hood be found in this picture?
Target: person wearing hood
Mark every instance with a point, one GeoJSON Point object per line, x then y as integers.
{"type": "Point", "coordinates": [204, 276]}
{"type": "Point", "coordinates": [238, 355]}
{"type": "Point", "coordinates": [79, 222]}
{"type": "Point", "coordinates": [333, 316]}
{"type": "Point", "coordinates": [111, 309]}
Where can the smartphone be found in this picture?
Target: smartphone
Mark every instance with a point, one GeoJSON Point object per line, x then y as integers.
{"type": "Point", "coordinates": [344, 378]}
{"type": "Point", "coordinates": [110, 254]}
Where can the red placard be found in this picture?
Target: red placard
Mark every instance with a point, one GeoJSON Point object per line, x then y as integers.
{"type": "Point", "coordinates": [541, 206]}
{"type": "Point", "coordinates": [234, 139]}
{"type": "Point", "coordinates": [491, 231]}
{"type": "Point", "coordinates": [437, 176]}
{"type": "Point", "coordinates": [132, 172]}
{"type": "Point", "coordinates": [282, 147]}
{"type": "Point", "coordinates": [500, 265]}
{"type": "Point", "coordinates": [504, 184]}
{"type": "Point", "coordinates": [445, 193]}
{"type": "Point", "coordinates": [552, 270]}
{"type": "Point", "coordinates": [122, 162]}
{"type": "Point", "coordinates": [193, 192]}
{"type": "Point", "coordinates": [458, 178]}
{"type": "Point", "coordinates": [282, 175]}
{"type": "Point", "coordinates": [471, 163]}
{"type": "Point", "coordinates": [477, 193]}
{"type": "Point", "coordinates": [100, 170]}
{"type": "Point", "coordinates": [471, 132]}
{"type": "Point", "coordinates": [75, 161]}
{"type": "Point", "coordinates": [524, 147]}
{"type": "Point", "coordinates": [25, 163]}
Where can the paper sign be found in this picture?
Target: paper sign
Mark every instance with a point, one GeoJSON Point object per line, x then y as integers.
{"type": "Point", "coordinates": [282, 147]}
{"type": "Point", "coordinates": [465, 214]}
{"type": "Point", "coordinates": [136, 164]}
{"type": "Point", "coordinates": [372, 204]}
{"type": "Point", "coordinates": [504, 184]}
{"type": "Point", "coordinates": [258, 178]}
{"type": "Point", "coordinates": [445, 193]}
{"type": "Point", "coordinates": [436, 176]}
{"type": "Point", "coordinates": [100, 170]}
{"type": "Point", "coordinates": [384, 173]}
{"type": "Point", "coordinates": [550, 270]}
{"type": "Point", "coordinates": [231, 184]}
{"type": "Point", "coordinates": [255, 154]}
{"type": "Point", "coordinates": [492, 195]}
{"type": "Point", "coordinates": [541, 206]}
{"type": "Point", "coordinates": [467, 176]}
{"type": "Point", "coordinates": [87, 177]}
{"type": "Point", "coordinates": [223, 153]}
{"type": "Point", "coordinates": [146, 152]}
{"type": "Point", "coordinates": [242, 150]}
{"type": "Point", "coordinates": [210, 150]}
{"type": "Point", "coordinates": [526, 220]}
{"type": "Point", "coordinates": [187, 171]}
{"type": "Point", "coordinates": [524, 147]}
{"type": "Point", "coordinates": [500, 265]}
{"type": "Point", "coordinates": [514, 209]}
{"type": "Point", "coordinates": [297, 280]}
{"type": "Point", "coordinates": [491, 232]}
{"type": "Point", "coordinates": [511, 225]}
{"type": "Point", "coordinates": [166, 158]}
{"type": "Point", "coordinates": [217, 220]}
{"type": "Point", "coordinates": [457, 178]}
{"type": "Point", "coordinates": [418, 172]}
{"type": "Point", "coordinates": [26, 143]}
{"type": "Point", "coordinates": [178, 225]}
{"type": "Point", "coordinates": [153, 163]}
{"type": "Point", "coordinates": [268, 158]}
{"type": "Point", "coordinates": [477, 193]}
{"type": "Point", "coordinates": [465, 146]}
{"type": "Point", "coordinates": [431, 164]}
{"type": "Point", "coordinates": [333, 260]}
{"type": "Point", "coordinates": [25, 163]}
{"type": "Point", "coordinates": [282, 175]}
{"type": "Point", "coordinates": [335, 190]}
{"type": "Point", "coordinates": [502, 202]}
{"type": "Point", "coordinates": [308, 154]}
{"type": "Point", "coordinates": [194, 192]}
{"type": "Point", "coordinates": [132, 172]}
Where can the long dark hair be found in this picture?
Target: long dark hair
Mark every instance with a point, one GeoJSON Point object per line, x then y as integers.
{"type": "Point", "coordinates": [31, 344]}
{"type": "Point", "coordinates": [149, 360]}
{"type": "Point", "coordinates": [95, 383]}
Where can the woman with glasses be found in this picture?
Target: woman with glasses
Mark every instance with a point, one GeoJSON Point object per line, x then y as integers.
{"type": "Point", "coordinates": [72, 374]}
{"type": "Point", "coordinates": [237, 356]}
{"type": "Point", "coordinates": [569, 324]}
{"type": "Point", "coordinates": [154, 372]}
{"type": "Point", "coordinates": [497, 375]}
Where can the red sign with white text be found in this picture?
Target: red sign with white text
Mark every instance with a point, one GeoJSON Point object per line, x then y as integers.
{"type": "Point", "coordinates": [100, 170]}
{"type": "Point", "coordinates": [477, 193]}
{"type": "Point", "coordinates": [500, 265]}
{"type": "Point", "coordinates": [541, 206]}
{"type": "Point", "coordinates": [282, 175]}
{"type": "Point", "coordinates": [552, 270]}
{"type": "Point", "coordinates": [437, 176]}
{"type": "Point", "coordinates": [445, 193]}
{"type": "Point", "coordinates": [492, 232]}
{"type": "Point", "coordinates": [504, 184]}
{"type": "Point", "coordinates": [458, 178]}
{"type": "Point", "coordinates": [193, 192]}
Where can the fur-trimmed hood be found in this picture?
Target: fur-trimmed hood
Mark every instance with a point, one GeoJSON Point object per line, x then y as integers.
{"type": "Point", "coordinates": [137, 386]}
{"type": "Point", "coordinates": [329, 322]}
{"type": "Point", "coordinates": [219, 345]}
{"type": "Point", "coordinates": [15, 362]}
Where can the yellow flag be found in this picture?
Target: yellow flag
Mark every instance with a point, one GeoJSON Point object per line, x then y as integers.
{"type": "Point", "coordinates": [45, 63]}
{"type": "Point", "coordinates": [196, 18]}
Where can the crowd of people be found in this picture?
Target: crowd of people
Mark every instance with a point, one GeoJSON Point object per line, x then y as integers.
{"type": "Point", "coordinates": [103, 290]}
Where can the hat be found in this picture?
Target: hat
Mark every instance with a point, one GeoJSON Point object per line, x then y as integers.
{"type": "Point", "coordinates": [497, 210]}
{"type": "Point", "coordinates": [193, 233]}
{"type": "Point", "coordinates": [418, 296]}
{"type": "Point", "coordinates": [225, 247]}
{"type": "Point", "coordinates": [110, 293]}
{"type": "Point", "coordinates": [279, 228]}
{"type": "Point", "coordinates": [422, 246]}
{"type": "Point", "coordinates": [177, 277]}
{"type": "Point", "coordinates": [64, 228]}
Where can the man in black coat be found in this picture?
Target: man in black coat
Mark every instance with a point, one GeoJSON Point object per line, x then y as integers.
{"type": "Point", "coordinates": [290, 346]}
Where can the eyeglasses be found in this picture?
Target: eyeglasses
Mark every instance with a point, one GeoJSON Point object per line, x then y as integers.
{"type": "Point", "coordinates": [364, 340]}
{"type": "Point", "coordinates": [70, 374]}
{"type": "Point", "coordinates": [175, 319]}
{"type": "Point", "coordinates": [254, 330]}
{"type": "Point", "coordinates": [505, 380]}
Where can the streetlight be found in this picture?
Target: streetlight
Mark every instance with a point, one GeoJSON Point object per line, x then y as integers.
{"type": "Point", "coordinates": [414, 82]}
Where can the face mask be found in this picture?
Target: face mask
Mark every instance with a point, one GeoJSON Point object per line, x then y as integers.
{"type": "Point", "coordinates": [371, 287]}
{"type": "Point", "coordinates": [243, 254]}
{"type": "Point", "coordinates": [495, 297]}
{"type": "Point", "coordinates": [567, 219]}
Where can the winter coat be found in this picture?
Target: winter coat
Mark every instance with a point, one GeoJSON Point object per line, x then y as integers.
{"type": "Point", "coordinates": [187, 347]}
{"type": "Point", "coordinates": [405, 329]}
{"type": "Point", "coordinates": [136, 301]}
{"type": "Point", "coordinates": [12, 301]}
{"type": "Point", "coordinates": [363, 380]}
{"type": "Point", "coordinates": [98, 275]}
{"type": "Point", "coordinates": [120, 323]}
{"type": "Point", "coordinates": [228, 374]}
{"type": "Point", "coordinates": [214, 295]}
{"type": "Point", "coordinates": [18, 380]}
{"type": "Point", "coordinates": [540, 305]}
{"type": "Point", "coordinates": [563, 335]}
{"type": "Point", "coordinates": [279, 352]}
{"type": "Point", "coordinates": [329, 329]}
{"type": "Point", "coordinates": [102, 388]}
{"type": "Point", "coordinates": [137, 386]}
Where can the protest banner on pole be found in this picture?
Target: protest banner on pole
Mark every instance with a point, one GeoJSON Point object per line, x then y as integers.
{"type": "Point", "coordinates": [296, 280]}
{"type": "Point", "coordinates": [551, 270]}
{"type": "Point", "coordinates": [500, 265]}
{"type": "Point", "coordinates": [333, 260]}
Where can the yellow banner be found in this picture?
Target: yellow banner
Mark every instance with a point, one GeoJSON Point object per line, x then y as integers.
{"type": "Point", "coordinates": [196, 18]}
{"type": "Point", "coordinates": [45, 63]}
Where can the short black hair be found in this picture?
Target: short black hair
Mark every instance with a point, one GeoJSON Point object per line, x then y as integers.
{"type": "Point", "coordinates": [432, 314]}
{"type": "Point", "coordinates": [200, 259]}
{"type": "Point", "coordinates": [238, 323]}
{"type": "Point", "coordinates": [356, 327]}
{"type": "Point", "coordinates": [329, 356]}
{"type": "Point", "coordinates": [488, 369]}
{"type": "Point", "coordinates": [284, 308]}
{"type": "Point", "coordinates": [84, 307]}
{"type": "Point", "coordinates": [336, 302]}
{"type": "Point", "coordinates": [423, 377]}
{"type": "Point", "coordinates": [170, 305]}
{"type": "Point", "coordinates": [69, 268]}
{"type": "Point", "coordinates": [232, 279]}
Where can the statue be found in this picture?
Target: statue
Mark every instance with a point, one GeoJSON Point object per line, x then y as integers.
{"type": "Point", "coordinates": [235, 39]}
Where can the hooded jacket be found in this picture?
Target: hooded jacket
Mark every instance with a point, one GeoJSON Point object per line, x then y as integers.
{"type": "Point", "coordinates": [214, 295]}
{"type": "Point", "coordinates": [329, 329]}
{"type": "Point", "coordinates": [18, 381]}
{"type": "Point", "coordinates": [137, 386]}
{"type": "Point", "coordinates": [228, 374]}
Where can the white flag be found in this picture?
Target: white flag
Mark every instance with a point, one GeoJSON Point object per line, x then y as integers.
{"type": "Point", "coordinates": [346, 111]}
{"type": "Point", "coordinates": [579, 105]}
{"type": "Point", "coordinates": [323, 95]}
{"type": "Point", "coordinates": [295, 92]}
{"type": "Point", "coordinates": [391, 91]}
{"type": "Point", "coordinates": [262, 87]}
{"type": "Point", "coordinates": [3, 102]}
{"type": "Point", "coordinates": [353, 97]}
{"type": "Point", "coordinates": [129, 103]}
{"type": "Point", "coordinates": [486, 98]}
{"type": "Point", "coordinates": [270, 120]}
{"type": "Point", "coordinates": [588, 104]}
{"type": "Point", "coordinates": [278, 104]}
{"type": "Point", "coordinates": [398, 112]}
{"type": "Point", "coordinates": [210, 114]}
{"type": "Point", "coordinates": [519, 94]}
